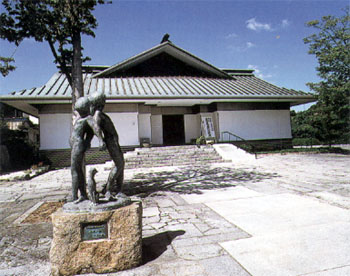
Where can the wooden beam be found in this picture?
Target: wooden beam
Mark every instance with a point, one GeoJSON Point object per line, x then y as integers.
{"type": "Point", "coordinates": [23, 106]}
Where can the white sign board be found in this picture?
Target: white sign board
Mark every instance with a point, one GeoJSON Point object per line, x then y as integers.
{"type": "Point", "coordinates": [208, 127]}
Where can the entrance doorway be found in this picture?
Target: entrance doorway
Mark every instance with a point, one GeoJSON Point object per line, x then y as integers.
{"type": "Point", "coordinates": [173, 130]}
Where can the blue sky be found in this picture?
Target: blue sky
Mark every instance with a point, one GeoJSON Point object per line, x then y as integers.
{"type": "Point", "coordinates": [263, 35]}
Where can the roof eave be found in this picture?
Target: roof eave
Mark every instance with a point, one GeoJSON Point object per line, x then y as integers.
{"type": "Point", "coordinates": [296, 99]}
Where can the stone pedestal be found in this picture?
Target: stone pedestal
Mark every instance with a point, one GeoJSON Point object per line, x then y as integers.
{"type": "Point", "coordinates": [96, 242]}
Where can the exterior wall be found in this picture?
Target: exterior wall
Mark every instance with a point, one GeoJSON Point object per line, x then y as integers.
{"type": "Point", "coordinates": [145, 130]}
{"type": "Point", "coordinates": [192, 127]}
{"type": "Point", "coordinates": [216, 125]}
{"type": "Point", "coordinates": [61, 157]}
{"type": "Point", "coordinates": [171, 110]}
{"type": "Point", "coordinates": [268, 144]}
{"type": "Point", "coordinates": [256, 124]}
{"type": "Point", "coordinates": [157, 129]}
{"type": "Point", "coordinates": [131, 125]}
{"type": "Point", "coordinates": [252, 106]}
{"type": "Point", "coordinates": [126, 125]}
{"type": "Point", "coordinates": [54, 131]}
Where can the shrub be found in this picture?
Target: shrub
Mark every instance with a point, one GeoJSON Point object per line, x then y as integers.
{"type": "Point", "coordinates": [305, 142]}
{"type": "Point", "coordinates": [22, 155]}
{"type": "Point", "coordinates": [200, 141]}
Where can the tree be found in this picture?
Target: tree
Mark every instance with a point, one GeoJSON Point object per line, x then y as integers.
{"type": "Point", "coordinates": [302, 124]}
{"type": "Point", "coordinates": [5, 66]}
{"type": "Point", "coordinates": [59, 22]}
{"type": "Point", "coordinates": [331, 46]}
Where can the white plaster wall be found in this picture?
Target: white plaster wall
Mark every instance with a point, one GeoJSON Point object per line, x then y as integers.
{"type": "Point", "coordinates": [54, 131]}
{"type": "Point", "coordinates": [256, 124]}
{"type": "Point", "coordinates": [157, 129]}
{"type": "Point", "coordinates": [145, 130]}
{"type": "Point", "coordinates": [216, 125]}
{"type": "Point", "coordinates": [192, 127]}
{"type": "Point", "coordinates": [126, 124]}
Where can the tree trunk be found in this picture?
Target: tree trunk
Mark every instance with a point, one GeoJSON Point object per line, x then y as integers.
{"type": "Point", "coordinates": [77, 74]}
{"type": "Point", "coordinates": [77, 79]}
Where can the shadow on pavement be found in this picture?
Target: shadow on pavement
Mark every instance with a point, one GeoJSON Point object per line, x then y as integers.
{"type": "Point", "coordinates": [190, 180]}
{"type": "Point", "coordinates": [154, 246]}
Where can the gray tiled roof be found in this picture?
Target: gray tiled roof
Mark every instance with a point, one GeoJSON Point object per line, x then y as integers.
{"type": "Point", "coordinates": [241, 86]}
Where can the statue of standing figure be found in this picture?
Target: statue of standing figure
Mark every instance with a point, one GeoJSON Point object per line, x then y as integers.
{"type": "Point", "coordinates": [90, 120]}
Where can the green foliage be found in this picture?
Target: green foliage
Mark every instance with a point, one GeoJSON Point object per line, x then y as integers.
{"type": "Point", "coordinates": [5, 66]}
{"type": "Point", "coordinates": [22, 155]}
{"type": "Point", "coordinates": [200, 141]}
{"type": "Point", "coordinates": [329, 119]}
{"type": "Point", "coordinates": [247, 147]}
{"type": "Point", "coordinates": [302, 124]}
{"type": "Point", "coordinates": [59, 22]}
{"type": "Point", "coordinates": [331, 47]}
{"type": "Point", "coordinates": [305, 142]}
{"type": "Point", "coordinates": [337, 150]}
{"type": "Point", "coordinates": [314, 126]}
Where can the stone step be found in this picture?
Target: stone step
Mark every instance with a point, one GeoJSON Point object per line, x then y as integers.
{"type": "Point", "coordinates": [174, 149]}
{"type": "Point", "coordinates": [174, 154]}
{"type": "Point", "coordinates": [171, 156]}
{"type": "Point", "coordinates": [168, 148]}
{"type": "Point", "coordinates": [165, 164]}
{"type": "Point", "coordinates": [179, 161]}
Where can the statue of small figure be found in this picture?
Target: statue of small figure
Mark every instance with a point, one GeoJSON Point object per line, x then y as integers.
{"type": "Point", "coordinates": [104, 127]}
{"type": "Point", "coordinates": [91, 187]}
{"type": "Point", "coordinates": [80, 140]}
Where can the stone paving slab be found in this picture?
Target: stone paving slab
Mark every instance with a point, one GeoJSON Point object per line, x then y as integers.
{"type": "Point", "coordinates": [182, 234]}
{"type": "Point", "coordinates": [221, 195]}
{"type": "Point", "coordinates": [278, 213]}
{"type": "Point", "coordinates": [299, 251]}
{"type": "Point", "coordinates": [170, 237]}
{"type": "Point", "coordinates": [340, 271]}
{"type": "Point", "coordinates": [27, 270]}
{"type": "Point", "coordinates": [290, 234]}
{"type": "Point", "coordinates": [333, 198]}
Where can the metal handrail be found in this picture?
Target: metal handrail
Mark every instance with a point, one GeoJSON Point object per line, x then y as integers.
{"type": "Point", "coordinates": [240, 138]}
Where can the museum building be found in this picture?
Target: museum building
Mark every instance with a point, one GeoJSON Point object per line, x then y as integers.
{"type": "Point", "coordinates": [166, 96]}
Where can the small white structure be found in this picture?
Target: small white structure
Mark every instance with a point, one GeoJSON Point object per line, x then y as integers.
{"type": "Point", "coordinates": [164, 94]}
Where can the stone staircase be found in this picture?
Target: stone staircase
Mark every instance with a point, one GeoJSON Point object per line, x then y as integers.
{"type": "Point", "coordinates": [171, 156]}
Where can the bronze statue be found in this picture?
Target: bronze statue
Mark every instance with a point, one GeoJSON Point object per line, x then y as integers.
{"type": "Point", "coordinates": [89, 121]}
{"type": "Point", "coordinates": [80, 140]}
{"type": "Point", "coordinates": [105, 125]}
{"type": "Point", "coordinates": [91, 187]}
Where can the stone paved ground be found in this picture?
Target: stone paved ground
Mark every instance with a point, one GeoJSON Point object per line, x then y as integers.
{"type": "Point", "coordinates": [182, 236]}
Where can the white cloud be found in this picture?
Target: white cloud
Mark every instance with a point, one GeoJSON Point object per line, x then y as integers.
{"type": "Point", "coordinates": [254, 25]}
{"type": "Point", "coordinates": [258, 73]}
{"type": "Point", "coordinates": [250, 45]}
{"type": "Point", "coordinates": [254, 67]}
{"type": "Point", "coordinates": [241, 47]}
{"type": "Point", "coordinates": [285, 23]}
{"type": "Point", "coordinates": [233, 35]}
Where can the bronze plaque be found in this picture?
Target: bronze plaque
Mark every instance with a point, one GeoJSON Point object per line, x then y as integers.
{"type": "Point", "coordinates": [94, 231]}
